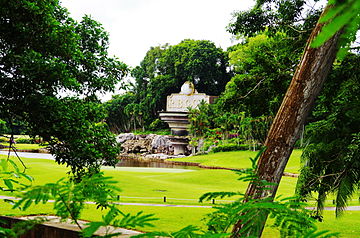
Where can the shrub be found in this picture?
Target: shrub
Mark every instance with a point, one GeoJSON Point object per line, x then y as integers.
{"type": "Point", "coordinates": [157, 125]}
{"type": "Point", "coordinates": [25, 141]}
{"type": "Point", "coordinates": [229, 147]}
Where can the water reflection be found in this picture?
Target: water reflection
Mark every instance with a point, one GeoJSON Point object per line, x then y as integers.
{"type": "Point", "coordinates": [151, 164]}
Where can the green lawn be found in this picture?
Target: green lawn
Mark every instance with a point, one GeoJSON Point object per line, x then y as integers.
{"type": "Point", "coordinates": [238, 160]}
{"type": "Point", "coordinates": [151, 184]}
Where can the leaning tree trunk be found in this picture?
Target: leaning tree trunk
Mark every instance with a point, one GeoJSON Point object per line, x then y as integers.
{"type": "Point", "coordinates": [305, 86]}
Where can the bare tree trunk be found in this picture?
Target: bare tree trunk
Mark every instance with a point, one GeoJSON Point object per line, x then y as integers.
{"type": "Point", "coordinates": [286, 127]}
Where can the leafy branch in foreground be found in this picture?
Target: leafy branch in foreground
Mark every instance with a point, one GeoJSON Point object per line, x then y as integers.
{"type": "Point", "coordinates": [109, 221]}
{"type": "Point", "coordinates": [344, 14]}
{"type": "Point", "coordinates": [289, 216]}
{"type": "Point", "coordinates": [70, 198]}
{"type": "Point", "coordinates": [11, 177]}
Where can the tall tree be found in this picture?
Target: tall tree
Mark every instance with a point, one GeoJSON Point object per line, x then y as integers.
{"type": "Point", "coordinates": [304, 88]}
{"type": "Point", "coordinates": [200, 62]}
{"type": "Point", "coordinates": [44, 56]}
{"type": "Point", "coordinates": [263, 68]}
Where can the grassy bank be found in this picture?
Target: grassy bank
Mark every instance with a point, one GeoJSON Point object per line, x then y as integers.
{"type": "Point", "coordinates": [238, 160]}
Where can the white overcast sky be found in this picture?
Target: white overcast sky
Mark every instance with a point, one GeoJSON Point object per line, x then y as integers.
{"type": "Point", "coordinates": [136, 25]}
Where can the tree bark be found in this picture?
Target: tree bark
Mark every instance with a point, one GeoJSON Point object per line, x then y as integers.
{"type": "Point", "coordinates": [305, 86]}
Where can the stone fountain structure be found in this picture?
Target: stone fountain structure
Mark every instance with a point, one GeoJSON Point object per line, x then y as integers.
{"type": "Point", "coordinates": [176, 114]}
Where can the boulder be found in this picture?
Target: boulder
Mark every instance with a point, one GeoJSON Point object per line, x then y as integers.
{"type": "Point", "coordinates": [161, 144]}
{"type": "Point", "coordinates": [136, 146]}
{"type": "Point", "coordinates": [121, 138]}
{"type": "Point", "coordinates": [145, 144]}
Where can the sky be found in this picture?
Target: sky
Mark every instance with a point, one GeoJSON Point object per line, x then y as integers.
{"type": "Point", "coordinates": [136, 25]}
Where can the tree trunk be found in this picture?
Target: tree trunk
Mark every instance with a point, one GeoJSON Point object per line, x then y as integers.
{"type": "Point", "coordinates": [297, 103]}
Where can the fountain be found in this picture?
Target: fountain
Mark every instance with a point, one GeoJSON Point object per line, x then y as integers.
{"type": "Point", "coordinates": [176, 114]}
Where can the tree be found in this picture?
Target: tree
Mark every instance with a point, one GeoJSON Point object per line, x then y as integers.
{"type": "Point", "coordinates": [164, 70]}
{"type": "Point", "coordinates": [330, 160]}
{"type": "Point", "coordinates": [296, 18]}
{"type": "Point", "coordinates": [305, 86]}
{"type": "Point", "coordinates": [117, 119]}
{"type": "Point", "coordinates": [197, 61]}
{"type": "Point", "coordinates": [46, 55]}
{"type": "Point", "coordinates": [263, 67]}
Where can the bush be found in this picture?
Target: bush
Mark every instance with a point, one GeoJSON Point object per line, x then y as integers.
{"type": "Point", "coordinates": [229, 147]}
{"type": "Point", "coordinates": [25, 141]}
{"type": "Point", "coordinates": [158, 125]}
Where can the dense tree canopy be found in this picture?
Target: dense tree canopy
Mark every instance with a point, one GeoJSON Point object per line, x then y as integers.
{"type": "Point", "coordinates": [162, 72]}
{"type": "Point", "coordinates": [263, 67]}
{"type": "Point", "coordinates": [296, 18]}
{"type": "Point", "coordinates": [200, 62]}
{"type": "Point", "coordinates": [273, 34]}
{"type": "Point", "coordinates": [45, 54]}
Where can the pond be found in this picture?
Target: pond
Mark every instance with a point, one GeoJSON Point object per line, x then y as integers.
{"type": "Point", "coordinates": [124, 162]}
{"type": "Point", "coordinates": [153, 164]}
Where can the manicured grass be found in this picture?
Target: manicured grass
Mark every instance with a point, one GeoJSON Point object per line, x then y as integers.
{"type": "Point", "coordinates": [347, 225]}
{"type": "Point", "coordinates": [239, 160]}
{"type": "Point", "coordinates": [151, 184]}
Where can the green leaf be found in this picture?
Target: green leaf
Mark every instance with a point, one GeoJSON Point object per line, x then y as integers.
{"type": "Point", "coordinates": [92, 228]}
{"type": "Point", "coordinates": [8, 183]}
{"type": "Point", "coordinates": [28, 177]}
{"type": "Point", "coordinates": [331, 13]}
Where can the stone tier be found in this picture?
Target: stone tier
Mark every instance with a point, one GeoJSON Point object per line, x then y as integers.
{"type": "Point", "coordinates": [178, 122]}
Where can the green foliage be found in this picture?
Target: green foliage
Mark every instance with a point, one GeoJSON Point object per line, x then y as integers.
{"type": "Point", "coordinates": [200, 62]}
{"type": "Point", "coordinates": [4, 129]}
{"type": "Point", "coordinates": [75, 134]}
{"type": "Point", "coordinates": [294, 17]}
{"type": "Point", "coordinates": [44, 53]}
{"type": "Point", "coordinates": [12, 179]}
{"type": "Point", "coordinates": [216, 126]}
{"type": "Point", "coordinates": [342, 16]}
{"type": "Point", "coordinates": [127, 221]}
{"type": "Point", "coordinates": [157, 132]}
{"type": "Point", "coordinates": [331, 159]}
{"type": "Point", "coordinates": [263, 69]}
{"type": "Point", "coordinates": [25, 140]}
{"type": "Point", "coordinates": [117, 118]}
{"type": "Point", "coordinates": [163, 71]}
{"type": "Point", "coordinates": [157, 124]}
{"type": "Point", "coordinates": [189, 231]}
{"type": "Point", "coordinates": [290, 216]}
{"type": "Point", "coordinates": [229, 147]}
{"type": "Point", "coordinates": [200, 120]}
{"type": "Point", "coordinates": [70, 196]}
